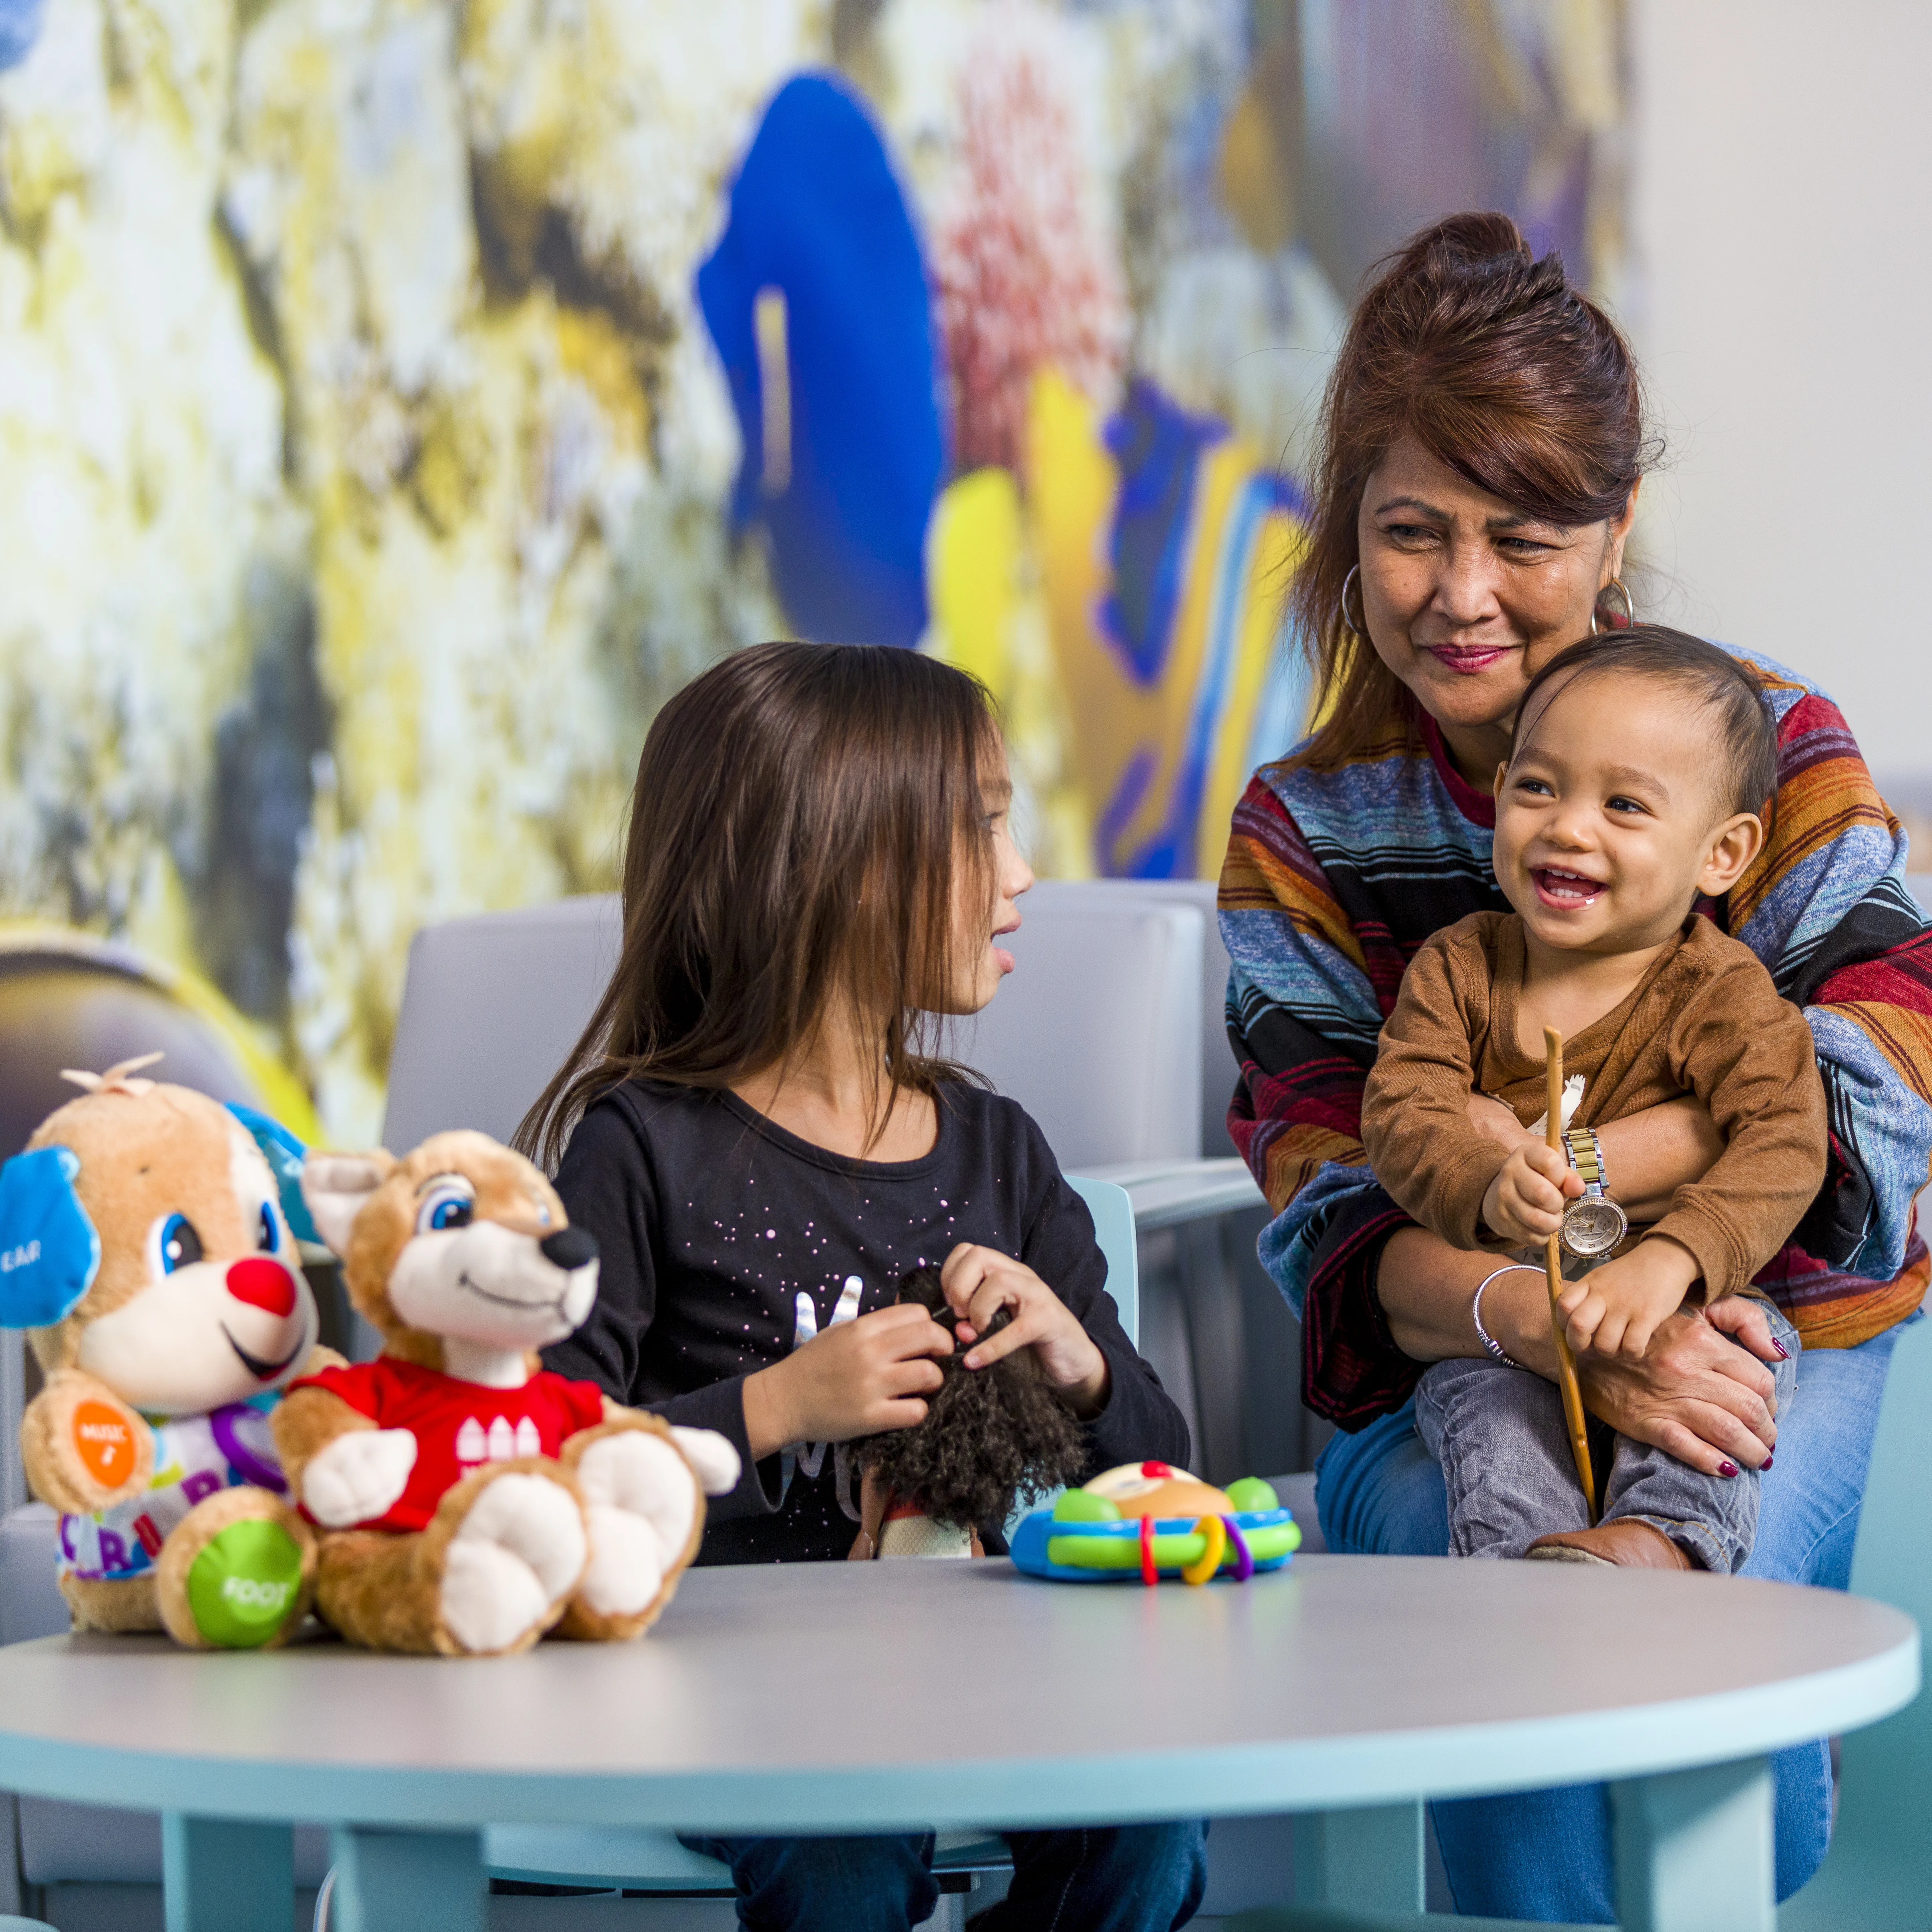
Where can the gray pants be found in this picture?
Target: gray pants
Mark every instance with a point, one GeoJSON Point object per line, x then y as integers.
{"type": "Point", "coordinates": [1499, 1434]}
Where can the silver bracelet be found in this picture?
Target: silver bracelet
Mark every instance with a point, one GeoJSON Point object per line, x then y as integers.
{"type": "Point", "coordinates": [1491, 1346]}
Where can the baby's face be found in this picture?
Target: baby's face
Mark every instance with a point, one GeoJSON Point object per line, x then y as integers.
{"type": "Point", "coordinates": [1608, 814]}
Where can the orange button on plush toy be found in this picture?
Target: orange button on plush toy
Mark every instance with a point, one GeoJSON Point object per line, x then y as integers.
{"type": "Point", "coordinates": [104, 1443]}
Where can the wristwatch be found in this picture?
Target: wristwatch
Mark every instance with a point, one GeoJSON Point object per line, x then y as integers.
{"type": "Point", "coordinates": [1593, 1224]}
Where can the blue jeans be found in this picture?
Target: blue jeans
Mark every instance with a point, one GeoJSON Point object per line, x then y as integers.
{"type": "Point", "coordinates": [1123, 1878]}
{"type": "Point", "coordinates": [1546, 1854]}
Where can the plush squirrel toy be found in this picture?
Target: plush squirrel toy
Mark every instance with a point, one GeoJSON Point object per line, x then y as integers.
{"type": "Point", "coordinates": [146, 1246]}
{"type": "Point", "coordinates": [469, 1500]}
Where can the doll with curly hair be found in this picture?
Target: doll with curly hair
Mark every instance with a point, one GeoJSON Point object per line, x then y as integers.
{"type": "Point", "coordinates": [992, 1437]}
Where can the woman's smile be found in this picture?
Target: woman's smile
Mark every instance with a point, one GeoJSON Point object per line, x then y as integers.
{"type": "Point", "coordinates": [1467, 659]}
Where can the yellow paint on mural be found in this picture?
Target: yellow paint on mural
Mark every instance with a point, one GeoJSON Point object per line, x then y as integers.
{"type": "Point", "coordinates": [983, 588]}
{"type": "Point", "coordinates": [1186, 737]}
{"type": "Point", "coordinates": [974, 552]}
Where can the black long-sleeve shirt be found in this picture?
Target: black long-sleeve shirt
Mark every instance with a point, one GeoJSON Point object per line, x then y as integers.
{"type": "Point", "coordinates": [726, 1241]}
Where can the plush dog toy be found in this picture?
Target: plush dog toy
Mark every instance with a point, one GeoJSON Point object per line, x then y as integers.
{"type": "Point", "coordinates": [469, 1500]}
{"type": "Point", "coordinates": [146, 1246]}
{"type": "Point", "coordinates": [991, 1437]}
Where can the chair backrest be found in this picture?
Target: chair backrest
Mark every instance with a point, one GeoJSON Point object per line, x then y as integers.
{"type": "Point", "coordinates": [1220, 1068]}
{"type": "Point", "coordinates": [1878, 1875]}
{"type": "Point", "coordinates": [31, 1604]}
{"type": "Point", "coordinates": [1097, 1032]}
{"type": "Point", "coordinates": [1112, 1209]}
{"type": "Point", "coordinates": [13, 1408]}
{"type": "Point", "coordinates": [490, 1006]}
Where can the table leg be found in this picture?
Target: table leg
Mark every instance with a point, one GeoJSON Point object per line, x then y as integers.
{"type": "Point", "coordinates": [404, 1881]}
{"type": "Point", "coordinates": [1369, 1861]}
{"type": "Point", "coordinates": [226, 1875]}
{"type": "Point", "coordinates": [1694, 1850]}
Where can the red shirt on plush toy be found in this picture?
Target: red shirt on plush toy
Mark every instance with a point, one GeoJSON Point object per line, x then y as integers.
{"type": "Point", "coordinates": [458, 1426]}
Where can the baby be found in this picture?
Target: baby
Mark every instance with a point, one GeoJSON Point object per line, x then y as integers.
{"type": "Point", "coordinates": [1642, 760]}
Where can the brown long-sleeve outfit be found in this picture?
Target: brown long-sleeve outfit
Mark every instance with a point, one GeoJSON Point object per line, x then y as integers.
{"type": "Point", "coordinates": [1705, 1020]}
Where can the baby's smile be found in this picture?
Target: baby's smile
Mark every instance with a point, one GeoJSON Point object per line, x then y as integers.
{"type": "Point", "coordinates": [1564, 889]}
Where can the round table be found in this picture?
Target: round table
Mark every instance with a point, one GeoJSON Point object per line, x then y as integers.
{"type": "Point", "coordinates": [846, 1696]}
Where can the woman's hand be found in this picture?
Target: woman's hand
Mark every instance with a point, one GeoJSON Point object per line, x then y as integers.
{"type": "Point", "coordinates": [1697, 1395]}
{"type": "Point", "coordinates": [857, 1378]}
{"type": "Point", "coordinates": [980, 1282]}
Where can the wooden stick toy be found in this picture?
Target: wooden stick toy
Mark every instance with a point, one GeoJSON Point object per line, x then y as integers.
{"type": "Point", "coordinates": [1552, 1257]}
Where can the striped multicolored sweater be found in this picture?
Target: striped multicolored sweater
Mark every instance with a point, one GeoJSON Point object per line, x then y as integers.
{"type": "Point", "coordinates": [1333, 879]}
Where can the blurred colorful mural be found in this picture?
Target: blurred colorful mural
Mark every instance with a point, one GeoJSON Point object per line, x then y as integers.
{"type": "Point", "coordinates": [399, 398]}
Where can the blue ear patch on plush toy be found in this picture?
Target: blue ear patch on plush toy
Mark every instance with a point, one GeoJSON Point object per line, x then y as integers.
{"type": "Point", "coordinates": [284, 1154]}
{"type": "Point", "coordinates": [48, 1251]}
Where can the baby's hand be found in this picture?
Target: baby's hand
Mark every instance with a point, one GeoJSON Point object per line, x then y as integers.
{"type": "Point", "coordinates": [1525, 1201]}
{"type": "Point", "coordinates": [1615, 1308]}
{"type": "Point", "coordinates": [980, 1282]}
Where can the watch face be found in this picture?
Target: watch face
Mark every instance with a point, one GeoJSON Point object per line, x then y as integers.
{"type": "Point", "coordinates": [1593, 1226]}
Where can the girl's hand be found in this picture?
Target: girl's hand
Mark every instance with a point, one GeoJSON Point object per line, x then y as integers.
{"type": "Point", "coordinates": [1525, 1201]}
{"type": "Point", "coordinates": [858, 1377]}
{"type": "Point", "coordinates": [1696, 1394]}
{"type": "Point", "coordinates": [1615, 1309]}
{"type": "Point", "coordinates": [980, 1282]}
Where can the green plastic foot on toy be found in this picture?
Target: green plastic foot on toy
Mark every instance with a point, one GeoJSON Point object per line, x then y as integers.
{"type": "Point", "coordinates": [245, 1584]}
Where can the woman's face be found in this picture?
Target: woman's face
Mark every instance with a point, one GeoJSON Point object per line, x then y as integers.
{"type": "Point", "coordinates": [1464, 597]}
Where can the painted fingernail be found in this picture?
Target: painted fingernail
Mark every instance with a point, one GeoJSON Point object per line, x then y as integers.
{"type": "Point", "coordinates": [1727, 1469]}
{"type": "Point", "coordinates": [1767, 1462]}
{"type": "Point", "coordinates": [1784, 1353]}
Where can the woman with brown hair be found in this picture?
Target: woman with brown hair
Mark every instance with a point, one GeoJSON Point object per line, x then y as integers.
{"type": "Point", "coordinates": [1483, 446]}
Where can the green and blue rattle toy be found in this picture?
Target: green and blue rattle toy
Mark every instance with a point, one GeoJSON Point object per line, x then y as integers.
{"type": "Point", "coordinates": [1148, 1520]}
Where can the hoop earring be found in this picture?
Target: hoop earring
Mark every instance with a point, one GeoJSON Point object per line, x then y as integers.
{"type": "Point", "coordinates": [1617, 584]}
{"type": "Point", "coordinates": [1348, 623]}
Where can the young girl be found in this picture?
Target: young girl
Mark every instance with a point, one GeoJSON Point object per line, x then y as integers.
{"type": "Point", "coordinates": [754, 1127]}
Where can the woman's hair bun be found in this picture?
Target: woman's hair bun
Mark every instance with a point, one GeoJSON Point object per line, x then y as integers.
{"type": "Point", "coordinates": [1472, 237]}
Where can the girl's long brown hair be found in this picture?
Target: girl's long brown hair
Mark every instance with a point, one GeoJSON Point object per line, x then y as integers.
{"type": "Point", "coordinates": [800, 815]}
{"type": "Point", "coordinates": [1503, 372]}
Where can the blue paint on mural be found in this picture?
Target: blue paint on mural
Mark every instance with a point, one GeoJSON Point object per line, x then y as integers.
{"type": "Point", "coordinates": [1156, 445]}
{"type": "Point", "coordinates": [817, 214]}
{"type": "Point", "coordinates": [19, 28]}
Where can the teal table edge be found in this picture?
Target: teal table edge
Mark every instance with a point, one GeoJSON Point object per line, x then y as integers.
{"type": "Point", "coordinates": [1226, 1781]}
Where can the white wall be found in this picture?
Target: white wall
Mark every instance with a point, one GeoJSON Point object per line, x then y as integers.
{"type": "Point", "coordinates": [1782, 219]}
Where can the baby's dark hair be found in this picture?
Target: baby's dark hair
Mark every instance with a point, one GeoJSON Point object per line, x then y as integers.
{"type": "Point", "coordinates": [991, 1437]}
{"type": "Point", "coordinates": [1747, 732]}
